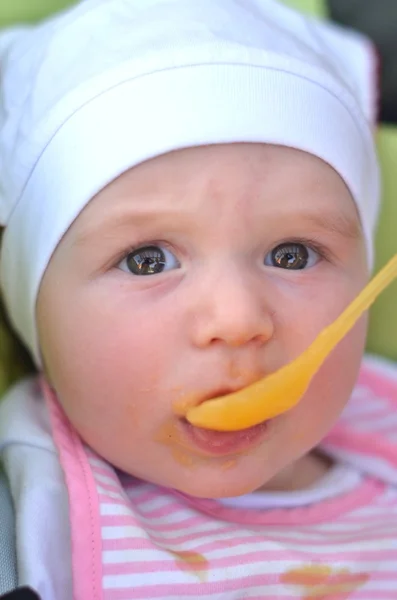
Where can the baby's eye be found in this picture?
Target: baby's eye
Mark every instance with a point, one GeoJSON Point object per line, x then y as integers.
{"type": "Point", "coordinates": [148, 260]}
{"type": "Point", "coordinates": [292, 256]}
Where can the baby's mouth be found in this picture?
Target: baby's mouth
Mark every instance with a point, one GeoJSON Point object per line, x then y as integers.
{"type": "Point", "coordinates": [210, 442]}
{"type": "Point", "coordinates": [223, 443]}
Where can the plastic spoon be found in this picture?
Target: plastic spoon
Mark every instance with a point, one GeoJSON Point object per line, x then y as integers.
{"type": "Point", "coordinates": [283, 389]}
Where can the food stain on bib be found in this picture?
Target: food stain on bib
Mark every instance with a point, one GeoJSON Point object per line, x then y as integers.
{"type": "Point", "coordinates": [192, 562]}
{"type": "Point", "coordinates": [323, 582]}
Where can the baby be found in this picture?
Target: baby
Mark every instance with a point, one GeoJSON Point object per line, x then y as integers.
{"type": "Point", "coordinates": [189, 196]}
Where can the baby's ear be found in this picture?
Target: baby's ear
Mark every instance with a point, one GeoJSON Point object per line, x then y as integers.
{"type": "Point", "coordinates": [356, 62]}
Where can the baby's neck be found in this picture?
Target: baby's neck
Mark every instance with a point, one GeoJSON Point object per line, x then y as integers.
{"type": "Point", "coordinates": [302, 474]}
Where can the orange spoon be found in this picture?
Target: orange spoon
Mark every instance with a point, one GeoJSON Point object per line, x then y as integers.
{"type": "Point", "coordinates": [283, 389]}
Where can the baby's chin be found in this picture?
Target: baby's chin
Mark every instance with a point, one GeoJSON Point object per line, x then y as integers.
{"type": "Point", "coordinates": [229, 483]}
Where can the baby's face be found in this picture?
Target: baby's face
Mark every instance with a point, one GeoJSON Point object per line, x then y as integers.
{"type": "Point", "coordinates": [193, 275]}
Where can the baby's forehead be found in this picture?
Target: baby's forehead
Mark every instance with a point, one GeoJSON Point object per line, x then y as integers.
{"type": "Point", "coordinates": [264, 162]}
{"type": "Point", "coordinates": [268, 181]}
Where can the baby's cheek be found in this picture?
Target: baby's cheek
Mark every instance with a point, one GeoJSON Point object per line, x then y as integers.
{"type": "Point", "coordinates": [331, 388]}
{"type": "Point", "coordinates": [113, 429]}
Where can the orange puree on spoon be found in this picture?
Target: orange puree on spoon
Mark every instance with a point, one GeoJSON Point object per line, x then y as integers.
{"type": "Point", "coordinates": [283, 389]}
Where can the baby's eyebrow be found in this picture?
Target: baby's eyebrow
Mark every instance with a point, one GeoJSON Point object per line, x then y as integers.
{"type": "Point", "coordinates": [339, 223]}
{"type": "Point", "coordinates": [112, 225]}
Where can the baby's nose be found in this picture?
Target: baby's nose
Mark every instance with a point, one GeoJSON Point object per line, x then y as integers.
{"type": "Point", "coordinates": [232, 309]}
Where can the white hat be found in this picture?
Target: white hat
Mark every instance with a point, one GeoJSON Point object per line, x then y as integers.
{"type": "Point", "coordinates": [111, 83]}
